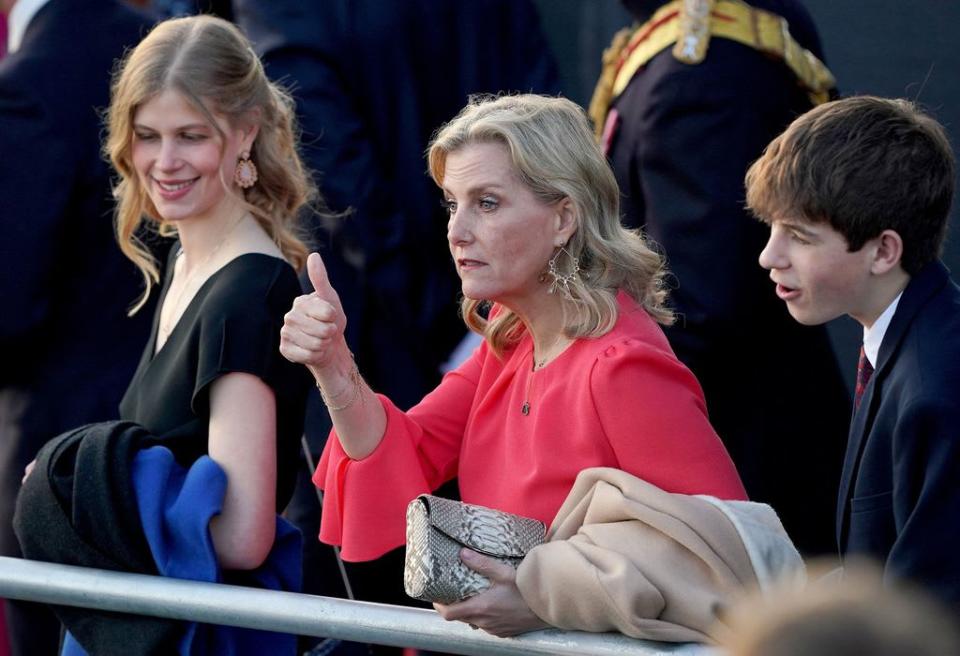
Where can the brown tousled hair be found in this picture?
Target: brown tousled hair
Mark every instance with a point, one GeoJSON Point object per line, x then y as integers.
{"type": "Point", "coordinates": [863, 165]}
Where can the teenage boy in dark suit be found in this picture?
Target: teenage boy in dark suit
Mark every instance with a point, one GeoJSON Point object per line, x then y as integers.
{"type": "Point", "coordinates": [857, 193]}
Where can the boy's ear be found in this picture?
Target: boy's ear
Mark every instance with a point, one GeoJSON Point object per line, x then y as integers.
{"type": "Point", "coordinates": [889, 251]}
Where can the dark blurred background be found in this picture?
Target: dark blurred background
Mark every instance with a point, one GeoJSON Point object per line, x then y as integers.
{"type": "Point", "coordinates": [882, 47]}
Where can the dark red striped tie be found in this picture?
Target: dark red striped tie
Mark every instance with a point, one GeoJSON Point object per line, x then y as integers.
{"type": "Point", "coordinates": [864, 371]}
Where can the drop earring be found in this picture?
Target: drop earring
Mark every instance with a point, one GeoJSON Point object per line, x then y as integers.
{"type": "Point", "coordinates": [562, 280]}
{"type": "Point", "coordinates": [245, 175]}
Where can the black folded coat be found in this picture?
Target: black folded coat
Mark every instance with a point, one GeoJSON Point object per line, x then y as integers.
{"type": "Point", "coordinates": [78, 507]}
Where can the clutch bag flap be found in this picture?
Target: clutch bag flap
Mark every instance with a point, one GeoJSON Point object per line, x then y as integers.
{"type": "Point", "coordinates": [485, 530]}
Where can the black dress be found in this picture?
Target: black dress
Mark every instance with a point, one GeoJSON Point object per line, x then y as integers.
{"type": "Point", "coordinates": [232, 324]}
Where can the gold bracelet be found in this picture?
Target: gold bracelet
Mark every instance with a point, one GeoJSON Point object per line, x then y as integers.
{"type": "Point", "coordinates": [356, 382]}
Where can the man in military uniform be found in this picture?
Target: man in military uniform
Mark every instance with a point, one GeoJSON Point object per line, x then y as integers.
{"type": "Point", "coordinates": [688, 99]}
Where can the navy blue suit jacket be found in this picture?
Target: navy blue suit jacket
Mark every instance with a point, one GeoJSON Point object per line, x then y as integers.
{"type": "Point", "coordinates": [67, 348]}
{"type": "Point", "coordinates": [900, 491]}
{"type": "Point", "coordinates": [686, 137]}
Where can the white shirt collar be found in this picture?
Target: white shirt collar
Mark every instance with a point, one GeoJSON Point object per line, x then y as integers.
{"type": "Point", "coordinates": [19, 18]}
{"type": "Point", "coordinates": [873, 336]}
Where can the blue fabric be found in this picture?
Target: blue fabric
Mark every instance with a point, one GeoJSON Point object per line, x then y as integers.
{"type": "Point", "coordinates": [176, 506]}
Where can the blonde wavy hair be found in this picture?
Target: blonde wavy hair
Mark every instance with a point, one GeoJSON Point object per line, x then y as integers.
{"type": "Point", "coordinates": [555, 155]}
{"type": "Point", "coordinates": [211, 64]}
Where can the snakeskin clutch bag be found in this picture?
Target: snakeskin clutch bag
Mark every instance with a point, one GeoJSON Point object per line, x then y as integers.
{"type": "Point", "coordinates": [438, 528]}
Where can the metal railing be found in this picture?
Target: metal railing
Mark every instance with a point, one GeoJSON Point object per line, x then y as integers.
{"type": "Point", "coordinates": [295, 613]}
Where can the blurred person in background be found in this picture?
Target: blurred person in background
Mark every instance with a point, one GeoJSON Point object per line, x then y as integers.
{"type": "Point", "coordinates": [67, 347]}
{"type": "Point", "coordinates": [688, 98]}
{"type": "Point", "coordinates": [841, 616]}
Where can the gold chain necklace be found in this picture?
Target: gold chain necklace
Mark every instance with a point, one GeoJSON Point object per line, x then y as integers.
{"type": "Point", "coordinates": [167, 326]}
{"type": "Point", "coordinates": [548, 353]}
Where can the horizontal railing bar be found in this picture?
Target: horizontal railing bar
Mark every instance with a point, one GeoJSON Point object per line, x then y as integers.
{"type": "Point", "coordinates": [289, 612]}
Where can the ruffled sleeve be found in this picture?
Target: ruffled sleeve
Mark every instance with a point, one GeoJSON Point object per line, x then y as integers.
{"type": "Point", "coordinates": [652, 410]}
{"type": "Point", "coordinates": [365, 501]}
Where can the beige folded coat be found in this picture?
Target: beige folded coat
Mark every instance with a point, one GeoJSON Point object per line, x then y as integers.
{"type": "Point", "coordinates": [624, 555]}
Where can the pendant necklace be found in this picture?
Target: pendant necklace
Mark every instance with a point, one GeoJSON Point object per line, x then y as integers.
{"type": "Point", "coordinates": [537, 366]}
{"type": "Point", "coordinates": [170, 323]}
{"type": "Point", "coordinates": [525, 408]}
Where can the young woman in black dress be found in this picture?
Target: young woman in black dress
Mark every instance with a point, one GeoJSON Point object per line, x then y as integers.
{"type": "Point", "coordinates": [205, 150]}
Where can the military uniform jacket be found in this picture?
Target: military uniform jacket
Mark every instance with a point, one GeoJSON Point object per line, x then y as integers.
{"type": "Point", "coordinates": [680, 140]}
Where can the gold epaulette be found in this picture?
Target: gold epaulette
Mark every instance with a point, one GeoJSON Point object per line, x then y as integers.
{"type": "Point", "coordinates": [688, 26]}
{"type": "Point", "coordinates": [693, 30]}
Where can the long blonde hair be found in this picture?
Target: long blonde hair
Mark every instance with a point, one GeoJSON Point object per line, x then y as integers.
{"type": "Point", "coordinates": [211, 64]}
{"type": "Point", "coordinates": [554, 154]}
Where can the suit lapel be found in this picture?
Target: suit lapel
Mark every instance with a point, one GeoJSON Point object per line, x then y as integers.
{"type": "Point", "coordinates": [921, 288]}
{"type": "Point", "coordinates": [859, 426]}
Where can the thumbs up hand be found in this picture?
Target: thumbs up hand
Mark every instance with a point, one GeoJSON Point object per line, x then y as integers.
{"type": "Point", "coordinates": [312, 332]}
{"type": "Point", "coordinates": [317, 273]}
